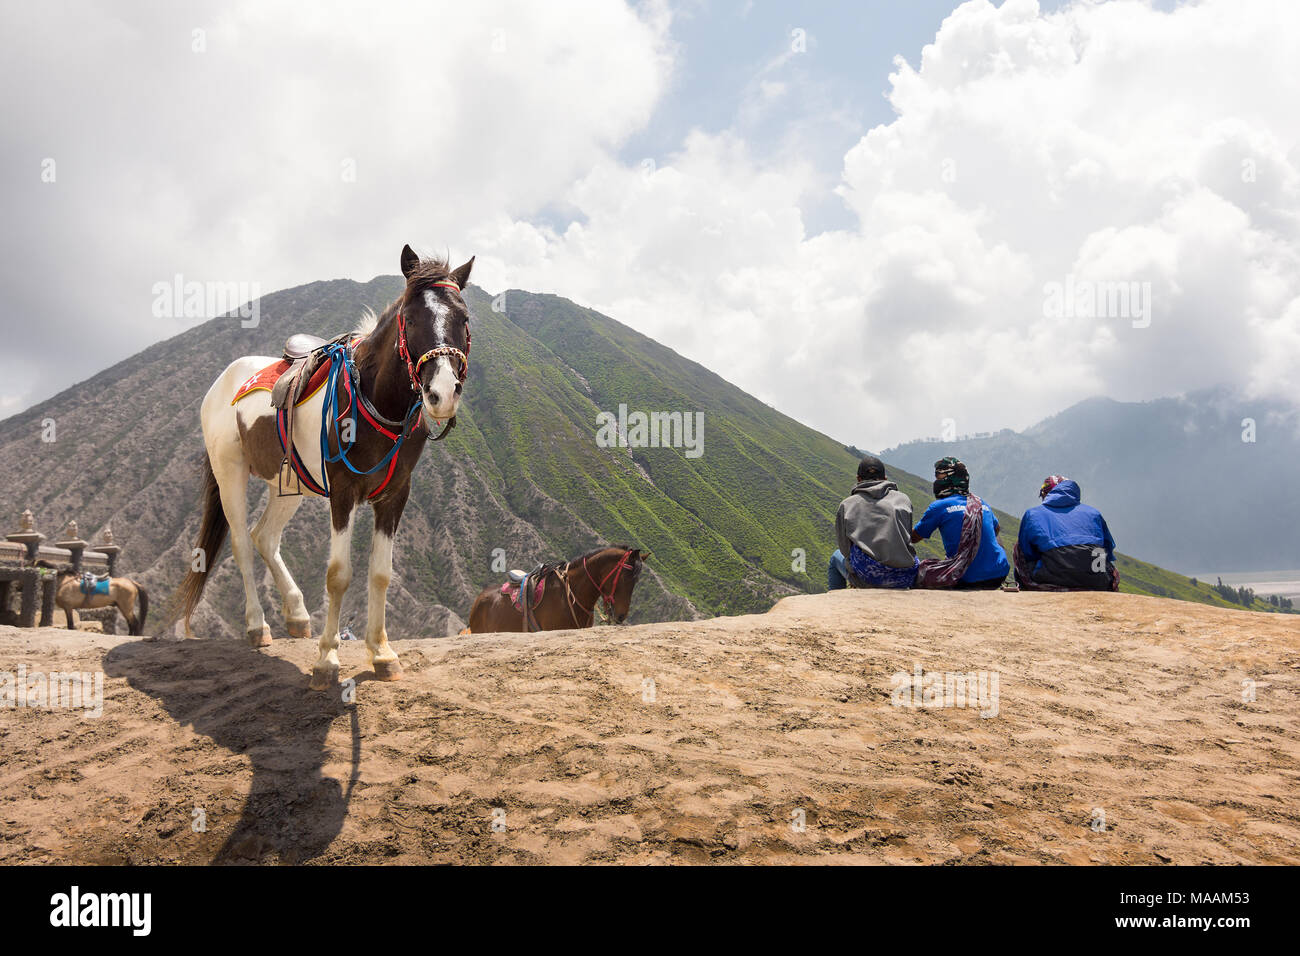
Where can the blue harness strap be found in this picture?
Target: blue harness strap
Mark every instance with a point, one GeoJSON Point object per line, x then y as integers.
{"type": "Point", "coordinates": [344, 369]}
{"type": "Point", "coordinates": [342, 372]}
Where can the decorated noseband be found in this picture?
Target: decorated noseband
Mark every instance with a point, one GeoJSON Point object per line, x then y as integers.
{"type": "Point", "coordinates": [450, 351]}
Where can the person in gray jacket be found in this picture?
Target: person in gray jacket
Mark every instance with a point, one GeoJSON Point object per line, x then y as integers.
{"type": "Point", "coordinates": [873, 529]}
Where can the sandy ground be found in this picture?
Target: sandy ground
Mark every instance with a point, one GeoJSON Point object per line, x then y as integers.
{"type": "Point", "coordinates": [768, 738]}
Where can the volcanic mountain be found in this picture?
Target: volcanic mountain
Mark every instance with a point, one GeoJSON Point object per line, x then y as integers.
{"type": "Point", "coordinates": [738, 515]}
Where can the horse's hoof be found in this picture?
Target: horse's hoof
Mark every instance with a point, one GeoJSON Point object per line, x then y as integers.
{"type": "Point", "coordinates": [259, 638]}
{"type": "Point", "coordinates": [387, 670]}
{"type": "Point", "coordinates": [323, 678]}
{"type": "Point", "coordinates": [299, 628]}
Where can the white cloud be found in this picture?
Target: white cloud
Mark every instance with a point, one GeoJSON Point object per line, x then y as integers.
{"type": "Point", "coordinates": [228, 164]}
{"type": "Point", "coordinates": [1103, 143]}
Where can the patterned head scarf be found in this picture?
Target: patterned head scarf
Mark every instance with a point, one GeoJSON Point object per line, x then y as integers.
{"type": "Point", "coordinates": [1050, 482]}
{"type": "Point", "coordinates": [950, 478]}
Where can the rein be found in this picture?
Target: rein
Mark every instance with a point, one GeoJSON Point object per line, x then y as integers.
{"type": "Point", "coordinates": [343, 367]}
{"type": "Point", "coordinates": [601, 597]}
{"type": "Point", "coordinates": [343, 370]}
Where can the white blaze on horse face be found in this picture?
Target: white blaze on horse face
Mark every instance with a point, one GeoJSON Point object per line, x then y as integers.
{"type": "Point", "coordinates": [444, 381]}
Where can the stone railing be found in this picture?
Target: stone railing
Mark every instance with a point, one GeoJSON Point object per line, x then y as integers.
{"type": "Point", "coordinates": [23, 550]}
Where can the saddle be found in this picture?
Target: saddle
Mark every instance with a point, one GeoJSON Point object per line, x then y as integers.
{"type": "Point", "coordinates": [304, 353]}
{"type": "Point", "coordinates": [525, 590]}
{"type": "Point", "coordinates": [94, 584]}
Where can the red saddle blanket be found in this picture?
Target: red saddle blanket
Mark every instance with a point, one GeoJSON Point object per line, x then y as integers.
{"type": "Point", "coordinates": [513, 591]}
{"type": "Point", "coordinates": [265, 381]}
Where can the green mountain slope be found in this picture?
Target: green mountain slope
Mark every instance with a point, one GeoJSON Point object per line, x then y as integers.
{"type": "Point", "coordinates": [521, 480]}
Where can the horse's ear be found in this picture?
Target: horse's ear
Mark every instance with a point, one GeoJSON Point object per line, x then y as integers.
{"type": "Point", "coordinates": [461, 275]}
{"type": "Point", "coordinates": [409, 261]}
{"type": "Point", "coordinates": [641, 555]}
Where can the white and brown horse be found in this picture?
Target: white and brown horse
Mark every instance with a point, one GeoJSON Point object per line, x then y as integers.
{"type": "Point", "coordinates": [401, 374]}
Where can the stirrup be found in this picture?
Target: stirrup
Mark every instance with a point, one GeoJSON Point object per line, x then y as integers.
{"type": "Point", "coordinates": [280, 484]}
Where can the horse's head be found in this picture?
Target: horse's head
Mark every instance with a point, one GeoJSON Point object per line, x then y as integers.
{"type": "Point", "coordinates": [60, 572]}
{"type": "Point", "coordinates": [631, 560]}
{"type": "Point", "coordinates": [433, 333]}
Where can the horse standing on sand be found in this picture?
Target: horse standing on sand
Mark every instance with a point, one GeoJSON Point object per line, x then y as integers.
{"type": "Point", "coordinates": [69, 595]}
{"type": "Point", "coordinates": [569, 594]}
{"type": "Point", "coordinates": [359, 410]}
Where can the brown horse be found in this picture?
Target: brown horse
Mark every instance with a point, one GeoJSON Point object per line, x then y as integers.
{"type": "Point", "coordinates": [572, 592]}
{"type": "Point", "coordinates": [123, 592]}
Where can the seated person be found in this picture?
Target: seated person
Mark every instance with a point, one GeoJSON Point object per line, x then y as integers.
{"type": "Point", "coordinates": [1065, 545]}
{"type": "Point", "coordinates": [969, 530]}
{"type": "Point", "coordinates": [873, 530]}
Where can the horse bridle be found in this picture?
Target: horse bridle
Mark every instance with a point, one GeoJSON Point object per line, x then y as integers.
{"type": "Point", "coordinates": [450, 351]}
{"type": "Point", "coordinates": [608, 599]}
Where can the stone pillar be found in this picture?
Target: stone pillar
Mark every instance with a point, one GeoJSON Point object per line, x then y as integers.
{"type": "Point", "coordinates": [73, 543]}
{"type": "Point", "coordinates": [27, 615]}
{"type": "Point", "coordinates": [109, 548]}
{"type": "Point", "coordinates": [49, 587]}
{"type": "Point", "coordinates": [27, 535]}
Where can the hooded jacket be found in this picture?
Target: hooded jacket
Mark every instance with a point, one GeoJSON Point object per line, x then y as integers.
{"type": "Point", "coordinates": [1061, 540]}
{"type": "Point", "coordinates": [877, 518]}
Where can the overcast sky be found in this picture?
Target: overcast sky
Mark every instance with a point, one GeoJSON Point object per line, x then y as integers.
{"type": "Point", "coordinates": [857, 212]}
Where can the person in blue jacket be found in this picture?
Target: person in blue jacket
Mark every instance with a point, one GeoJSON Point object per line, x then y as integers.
{"type": "Point", "coordinates": [989, 567]}
{"type": "Point", "coordinates": [1065, 544]}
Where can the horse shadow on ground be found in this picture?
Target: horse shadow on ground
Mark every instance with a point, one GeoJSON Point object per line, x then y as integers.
{"type": "Point", "coordinates": [258, 705]}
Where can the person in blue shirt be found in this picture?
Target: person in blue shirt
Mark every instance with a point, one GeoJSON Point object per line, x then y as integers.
{"type": "Point", "coordinates": [989, 566]}
{"type": "Point", "coordinates": [1065, 544]}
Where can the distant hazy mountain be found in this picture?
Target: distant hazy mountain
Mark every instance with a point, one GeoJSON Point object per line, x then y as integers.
{"type": "Point", "coordinates": [1174, 477]}
{"type": "Point", "coordinates": [522, 479]}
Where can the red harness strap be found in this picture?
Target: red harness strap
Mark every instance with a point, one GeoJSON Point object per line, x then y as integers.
{"type": "Point", "coordinates": [616, 571]}
{"type": "Point", "coordinates": [365, 413]}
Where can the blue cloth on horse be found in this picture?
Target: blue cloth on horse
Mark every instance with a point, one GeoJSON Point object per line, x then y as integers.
{"type": "Point", "coordinates": [92, 585]}
{"type": "Point", "coordinates": [874, 574]}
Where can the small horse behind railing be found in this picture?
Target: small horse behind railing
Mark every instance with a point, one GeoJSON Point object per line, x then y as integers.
{"type": "Point", "coordinates": [80, 591]}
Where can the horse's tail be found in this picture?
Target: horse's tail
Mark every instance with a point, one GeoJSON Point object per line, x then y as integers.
{"type": "Point", "coordinates": [143, 597]}
{"type": "Point", "coordinates": [212, 534]}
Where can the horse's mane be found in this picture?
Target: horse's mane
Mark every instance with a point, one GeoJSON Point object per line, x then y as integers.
{"type": "Point", "coordinates": [369, 322]}
{"type": "Point", "coordinates": [59, 573]}
{"type": "Point", "coordinates": [427, 272]}
{"type": "Point", "coordinates": [604, 547]}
